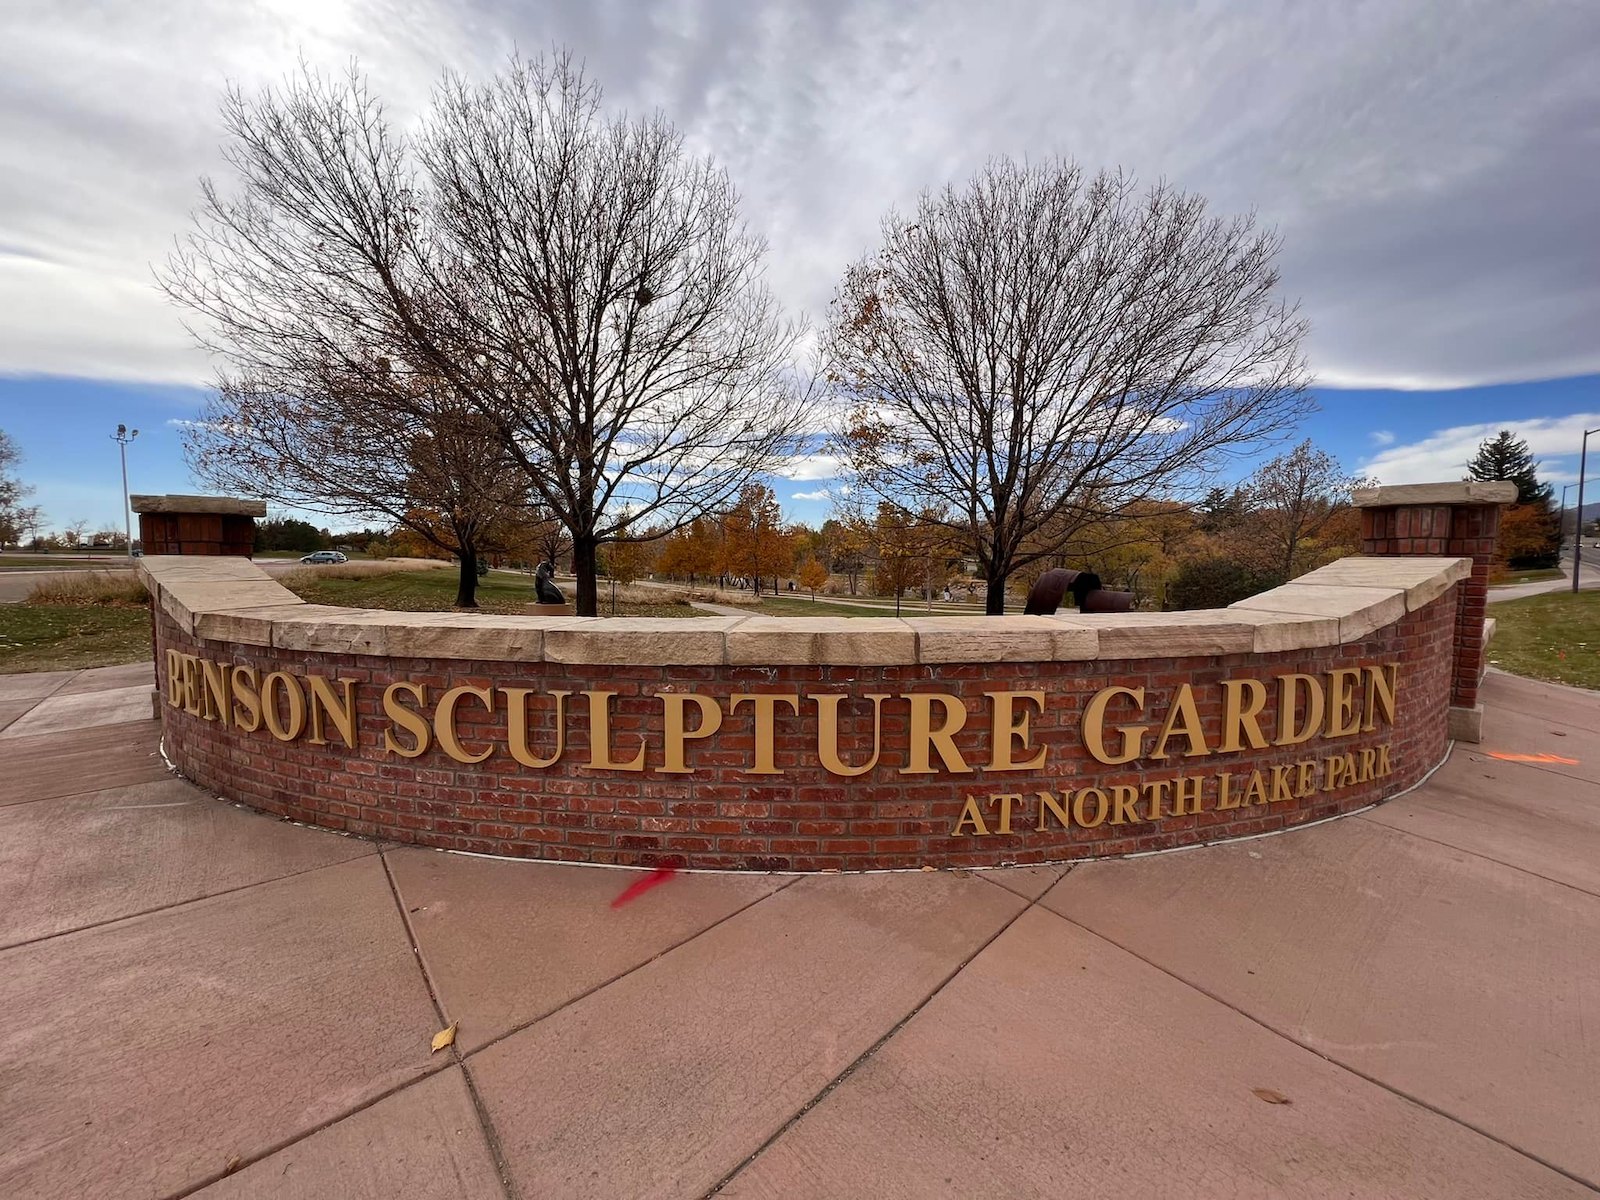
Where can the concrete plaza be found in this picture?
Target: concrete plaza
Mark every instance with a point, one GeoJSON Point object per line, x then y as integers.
{"type": "Point", "coordinates": [199, 1000]}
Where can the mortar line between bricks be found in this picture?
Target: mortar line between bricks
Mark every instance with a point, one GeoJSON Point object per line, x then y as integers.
{"type": "Point", "coordinates": [161, 908]}
{"type": "Point", "coordinates": [568, 1003]}
{"type": "Point", "coordinates": [1422, 837]}
{"type": "Point", "coordinates": [491, 1136]}
{"type": "Point", "coordinates": [1327, 1058]}
{"type": "Point", "coordinates": [873, 1049]}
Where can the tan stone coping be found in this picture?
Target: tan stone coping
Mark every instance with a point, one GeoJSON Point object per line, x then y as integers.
{"type": "Point", "coordinates": [211, 506]}
{"type": "Point", "coordinates": [233, 600]}
{"type": "Point", "coordinates": [1471, 491]}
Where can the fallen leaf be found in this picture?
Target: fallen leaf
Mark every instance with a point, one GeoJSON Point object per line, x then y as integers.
{"type": "Point", "coordinates": [1270, 1096]}
{"type": "Point", "coordinates": [233, 1165]}
{"type": "Point", "coordinates": [445, 1037]}
{"type": "Point", "coordinates": [930, 868]}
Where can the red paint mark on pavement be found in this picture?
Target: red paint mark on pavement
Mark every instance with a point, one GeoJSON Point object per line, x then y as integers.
{"type": "Point", "coordinates": [640, 886]}
{"type": "Point", "coordinates": [1533, 758]}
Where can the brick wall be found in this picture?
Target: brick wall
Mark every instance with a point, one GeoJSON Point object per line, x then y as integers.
{"type": "Point", "coordinates": [804, 819]}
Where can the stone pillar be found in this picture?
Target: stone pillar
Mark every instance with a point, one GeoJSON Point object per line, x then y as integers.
{"type": "Point", "coordinates": [216, 525]}
{"type": "Point", "coordinates": [1458, 520]}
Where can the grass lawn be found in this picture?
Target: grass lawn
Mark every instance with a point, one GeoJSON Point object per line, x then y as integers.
{"type": "Point", "coordinates": [1538, 575]}
{"type": "Point", "coordinates": [435, 591]}
{"type": "Point", "coordinates": [800, 605]}
{"type": "Point", "coordinates": [103, 561]}
{"type": "Point", "coordinates": [59, 637]}
{"type": "Point", "coordinates": [1555, 637]}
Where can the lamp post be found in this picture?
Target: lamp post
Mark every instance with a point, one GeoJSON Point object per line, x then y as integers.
{"type": "Point", "coordinates": [1577, 542]}
{"type": "Point", "coordinates": [1578, 531]}
{"type": "Point", "coordinates": [122, 437]}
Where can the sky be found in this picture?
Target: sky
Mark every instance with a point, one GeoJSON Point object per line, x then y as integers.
{"type": "Point", "coordinates": [1432, 168]}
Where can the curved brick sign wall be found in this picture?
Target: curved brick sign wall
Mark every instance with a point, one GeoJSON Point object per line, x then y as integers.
{"type": "Point", "coordinates": [817, 744]}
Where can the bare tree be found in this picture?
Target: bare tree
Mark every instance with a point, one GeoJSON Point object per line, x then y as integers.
{"type": "Point", "coordinates": [578, 281]}
{"type": "Point", "coordinates": [13, 517]}
{"type": "Point", "coordinates": [369, 445]}
{"type": "Point", "coordinates": [1038, 350]}
{"type": "Point", "coordinates": [1294, 499]}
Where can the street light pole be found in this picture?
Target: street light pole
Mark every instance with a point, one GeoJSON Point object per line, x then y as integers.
{"type": "Point", "coordinates": [1577, 542]}
{"type": "Point", "coordinates": [122, 437]}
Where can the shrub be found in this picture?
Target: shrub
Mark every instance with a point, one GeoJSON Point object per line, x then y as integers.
{"type": "Point", "coordinates": [1216, 583]}
{"type": "Point", "coordinates": [120, 589]}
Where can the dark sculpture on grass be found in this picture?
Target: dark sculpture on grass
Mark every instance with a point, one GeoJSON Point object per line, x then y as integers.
{"type": "Point", "coordinates": [1087, 593]}
{"type": "Point", "coordinates": [547, 591]}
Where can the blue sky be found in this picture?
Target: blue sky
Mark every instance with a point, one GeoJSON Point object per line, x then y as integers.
{"type": "Point", "coordinates": [63, 428]}
{"type": "Point", "coordinates": [1432, 176]}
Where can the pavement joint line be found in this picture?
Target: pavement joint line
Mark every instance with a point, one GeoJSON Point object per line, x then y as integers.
{"type": "Point", "coordinates": [873, 1049]}
{"type": "Point", "coordinates": [116, 787]}
{"type": "Point", "coordinates": [1422, 837]}
{"type": "Point", "coordinates": [491, 1136]}
{"type": "Point", "coordinates": [1591, 1185]}
{"type": "Point", "coordinates": [283, 1144]}
{"type": "Point", "coordinates": [584, 995]}
{"type": "Point", "coordinates": [162, 908]}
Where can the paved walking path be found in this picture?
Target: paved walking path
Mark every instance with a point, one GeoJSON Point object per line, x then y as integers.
{"type": "Point", "coordinates": [199, 1000]}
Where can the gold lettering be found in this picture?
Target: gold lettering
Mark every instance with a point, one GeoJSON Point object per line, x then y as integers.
{"type": "Point", "coordinates": [672, 704]}
{"type": "Point", "coordinates": [1281, 787]}
{"type": "Point", "coordinates": [1288, 685]}
{"type": "Point", "coordinates": [1005, 801]}
{"type": "Point", "coordinates": [215, 701]}
{"type": "Point", "coordinates": [517, 727]}
{"type": "Point", "coordinates": [971, 814]}
{"type": "Point", "coordinates": [1183, 708]}
{"type": "Point", "coordinates": [1306, 781]}
{"type": "Point", "coordinates": [925, 737]}
{"type": "Point", "coordinates": [1187, 801]}
{"type": "Point", "coordinates": [1225, 797]}
{"type": "Point", "coordinates": [1155, 791]}
{"type": "Point", "coordinates": [600, 736]}
{"type": "Point", "coordinates": [1239, 716]}
{"type": "Point", "coordinates": [1094, 732]}
{"type": "Point", "coordinates": [1102, 806]}
{"type": "Point", "coordinates": [1368, 757]}
{"type": "Point", "coordinates": [174, 679]}
{"type": "Point", "coordinates": [1382, 683]}
{"type": "Point", "coordinates": [341, 711]}
{"type": "Point", "coordinates": [1332, 773]}
{"type": "Point", "coordinates": [1255, 792]}
{"type": "Point", "coordinates": [282, 681]}
{"type": "Point", "coordinates": [1012, 727]}
{"type": "Point", "coordinates": [412, 722]}
{"type": "Point", "coordinates": [1344, 717]}
{"type": "Point", "coordinates": [766, 706]}
{"type": "Point", "coordinates": [1048, 801]}
{"type": "Point", "coordinates": [1123, 798]}
{"type": "Point", "coordinates": [1383, 760]}
{"type": "Point", "coordinates": [444, 722]}
{"type": "Point", "coordinates": [247, 698]}
{"type": "Point", "coordinates": [191, 685]}
{"type": "Point", "coordinates": [828, 733]}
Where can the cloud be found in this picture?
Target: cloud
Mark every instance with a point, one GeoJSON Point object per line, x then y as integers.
{"type": "Point", "coordinates": [1444, 455]}
{"type": "Point", "coordinates": [1382, 437]}
{"type": "Point", "coordinates": [819, 494]}
{"type": "Point", "coordinates": [1432, 176]}
{"type": "Point", "coordinates": [805, 468]}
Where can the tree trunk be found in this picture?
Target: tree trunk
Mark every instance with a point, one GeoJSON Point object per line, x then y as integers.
{"type": "Point", "coordinates": [994, 600]}
{"type": "Point", "coordinates": [586, 599]}
{"type": "Point", "coordinates": [467, 587]}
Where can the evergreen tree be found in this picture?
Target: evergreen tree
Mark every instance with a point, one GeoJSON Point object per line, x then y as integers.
{"type": "Point", "coordinates": [1505, 456]}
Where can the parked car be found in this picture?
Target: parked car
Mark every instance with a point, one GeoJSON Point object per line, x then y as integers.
{"type": "Point", "coordinates": [325, 556]}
